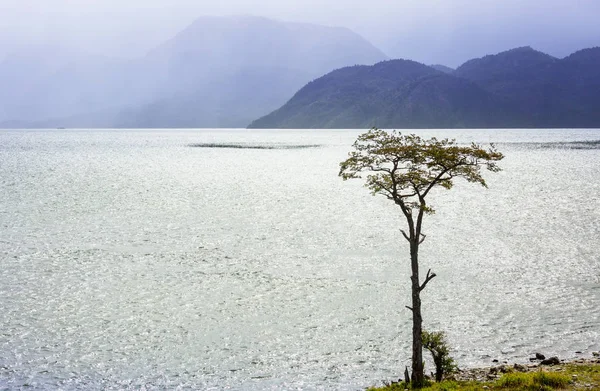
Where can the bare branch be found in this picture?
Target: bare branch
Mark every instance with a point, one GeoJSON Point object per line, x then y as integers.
{"type": "Point", "coordinates": [428, 278]}
{"type": "Point", "coordinates": [405, 235]}
{"type": "Point", "coordinates": [410, 308]}
{"type": "Point", "coordinates": [436, 180]}
{"type": "Point", "coordinates": [380, 169]}
{"type": "Point", "coordinates": [415, 187]}
{"type": "Point", "coordinates": [398, 197]}
{"type": "Point", "coordinates": [420, 216]}
{"type": "Point", "coordinates": [423, 236]}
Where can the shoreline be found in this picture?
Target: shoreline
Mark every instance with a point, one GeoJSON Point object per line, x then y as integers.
{"type": "Point", "coordinates": [494, 372]}
{"type": "Point", "coordinates": [569, 374]}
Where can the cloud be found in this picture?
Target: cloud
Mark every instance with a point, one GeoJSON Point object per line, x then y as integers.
{"type": "Point", "coordinates": [427, 30]}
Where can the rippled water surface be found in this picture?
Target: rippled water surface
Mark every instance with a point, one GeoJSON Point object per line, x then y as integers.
{"type": "Point", "coordinates": [137, 260]}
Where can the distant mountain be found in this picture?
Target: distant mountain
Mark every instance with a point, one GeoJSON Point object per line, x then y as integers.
{"type": "Point", "coordinates": [498, 66]}
{"type": "Point", "coordinates": [397, 93]}
{"type": "Point", "coordinates": [442, 68]}
{"type": "Point", "coordinates": [219, 71]}
{"type": "Point", "coordinates": [517, 88]}
{"type": "Point", "coordinates": [224, 72]}
{"type": "Point", "coordinates": [549, 92]}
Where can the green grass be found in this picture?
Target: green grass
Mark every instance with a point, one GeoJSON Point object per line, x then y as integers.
{"type": "Point", "coordinates": [587, 377]}
{"type": "Point", "coordinates": [447, 385]}
{"type": "Point", "coordinates": [532, 381]}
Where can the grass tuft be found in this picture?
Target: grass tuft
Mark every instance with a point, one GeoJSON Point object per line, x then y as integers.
{"type": "Point", "coordinates": [552, 380]}
{"type": "Point", "coordinates": [533, 381]}
{"type": "Point", "coordinates": [513, 380]}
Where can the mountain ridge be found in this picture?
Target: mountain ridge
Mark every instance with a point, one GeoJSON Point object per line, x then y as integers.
{"type": "Point", "coordinates": [520, 87]}
{"type": "Point", "coordinates": [190, 78]}
{"type": "Point", "coordinates": [176, 84]}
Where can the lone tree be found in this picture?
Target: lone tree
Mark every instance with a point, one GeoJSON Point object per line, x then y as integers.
{"type": "Point", "coordinates": [405, 168]}
{"type": "Point", "coordinates": [437, 345]}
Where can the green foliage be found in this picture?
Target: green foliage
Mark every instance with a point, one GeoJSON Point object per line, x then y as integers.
{"type": "Point", "coordinates": [553, 380]}
{"type": "Point", "coordinates": [533, 381]}
{"type": "Point", "coordinates": [513, 380]}
{"type": "Point", "coordinates": [437, 345]}
{"type": "Point", "coordinates": [405, 168]}
{"type": "Point", "coordinates": [448, 386]}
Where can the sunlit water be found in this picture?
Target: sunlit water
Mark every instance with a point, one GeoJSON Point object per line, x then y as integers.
{"type": "Point", "coordinates": [133, 260]}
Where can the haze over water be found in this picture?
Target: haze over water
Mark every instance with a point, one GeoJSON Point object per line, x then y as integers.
{"type": "Point", "coordinates": [130, 259]}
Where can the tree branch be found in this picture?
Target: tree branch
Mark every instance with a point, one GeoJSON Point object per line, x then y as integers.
{"type": "Point", "coordinates": [436, 180]}
{"type": "Point", "coordinates": [405, 235]}
{"type": "Point", "coordinates": [420, 216]}
{"type": "Point", "coordinates": [428, 278]}
{"type": "Point", "coordinates": [379, 169]}
{"type": "Point", "coordinates": [423, 238]}
{"type": "Point", "coordinates": [410, 308]}
{"type": "Point", "coordinates": [385, 189]}
{"type": "Point", "coordinates": [406, 195]}
{"type": "Point", "coordinates": [398, 197]}
{"type": "Point", "coordinates": [415, 188]}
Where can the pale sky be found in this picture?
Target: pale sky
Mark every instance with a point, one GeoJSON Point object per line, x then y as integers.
{"type": "Point", "coordinates": [430, 31]}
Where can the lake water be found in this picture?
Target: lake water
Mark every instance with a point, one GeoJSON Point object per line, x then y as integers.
{"type": "Point", "coordinates": [130, 260]}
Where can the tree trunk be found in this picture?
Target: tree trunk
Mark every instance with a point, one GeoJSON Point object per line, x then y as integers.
{"type": "Point", "coordinates": [439, 368]}
{"type": "Point", "coordinates": [417, 379]}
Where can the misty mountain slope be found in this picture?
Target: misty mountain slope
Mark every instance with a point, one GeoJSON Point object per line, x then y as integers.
{"type": "Point", "coordinates": [228, 44]}
{"type": "Point", "coordinates": [44, 83]}
{"type": "Point", "coordinates": [442, 68]}
{"type": "Point", "coordinates": [550, 92]}
{"type": "Point", "coordinates": [25, 74]}
{"type": "Point", "coordinates": [82, 86]}
{"type": "Point", "coordinates": [221, 103]}
{"type": "Point", "coordinates": [219, 71]}
{"type": "Point", "coordinates": [227, 71]}
{"type": "Point", "coordinates": [390, 94]}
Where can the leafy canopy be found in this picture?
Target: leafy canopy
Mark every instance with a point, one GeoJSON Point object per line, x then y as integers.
{"type": "Point", "coordinates": [438, 346]}
{"type": "Point", "coordinates": [405, 168]}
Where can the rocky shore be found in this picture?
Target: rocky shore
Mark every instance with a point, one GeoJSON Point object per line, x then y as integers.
{"type": "Point", "coordinates": [539, 362]}
{"type": "Point", "coordinates": [580, 374]}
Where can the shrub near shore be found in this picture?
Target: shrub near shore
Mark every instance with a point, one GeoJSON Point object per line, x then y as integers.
{"type": "Point", "coordinates": [569, 376]}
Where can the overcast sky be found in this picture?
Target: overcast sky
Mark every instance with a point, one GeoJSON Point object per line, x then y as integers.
{"type": "Point", "coordinates": [430, 31]}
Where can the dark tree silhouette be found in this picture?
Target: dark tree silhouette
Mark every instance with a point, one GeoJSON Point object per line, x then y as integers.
{"type": "Point", "coordinates": [405, 168]}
